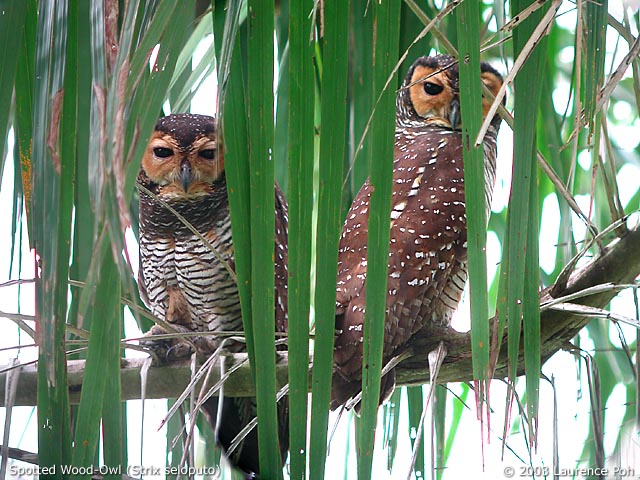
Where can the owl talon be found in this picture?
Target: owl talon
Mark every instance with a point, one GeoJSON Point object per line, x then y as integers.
{"type": "Point", "coordinates": [206, 345]}
{"type": "Point", "coordinates": [157, 348]}
{"type": "Point", "coordinates": [178, 351]}
{"type": "Point", "coordinates": [165, 350]}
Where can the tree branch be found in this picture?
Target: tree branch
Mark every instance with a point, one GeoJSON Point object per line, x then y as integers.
{"type": "Point", "coordinates": [619, 263]}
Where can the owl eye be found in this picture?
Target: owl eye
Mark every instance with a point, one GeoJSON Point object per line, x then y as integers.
{"type": "Point", "coordinates": [208, 153]}
{"type": "Point", "coordinates": [432, 88]}
{"type": "Point", "coordinates": [162, 152]}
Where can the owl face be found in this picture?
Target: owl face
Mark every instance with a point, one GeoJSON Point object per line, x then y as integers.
{"type": "Point", "coordinates": [430, 94]}
{"type": "Point", "coordinates": [182, 157]}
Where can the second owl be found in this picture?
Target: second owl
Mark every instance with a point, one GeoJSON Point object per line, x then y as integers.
{"type": "Point", "coordinates": [186, 281]}
{"type": "Point", "coordinates": [428, 249]}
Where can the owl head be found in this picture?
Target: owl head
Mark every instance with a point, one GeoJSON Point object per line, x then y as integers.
{"type": "Point", "coordinates": [430, 93]}
{"type": "Point", "coordinates": [182, 156]}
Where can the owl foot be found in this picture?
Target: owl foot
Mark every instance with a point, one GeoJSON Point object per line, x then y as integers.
{"type": "Point", "coordinates": [204, 347]}
{"type": "Point", "coordinates": [165, 350]}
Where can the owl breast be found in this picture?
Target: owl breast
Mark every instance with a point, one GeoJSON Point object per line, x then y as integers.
{"type": "Point", "coordinates": [209, 289]}
{"type": "Point", "coordinates": [185, 281]}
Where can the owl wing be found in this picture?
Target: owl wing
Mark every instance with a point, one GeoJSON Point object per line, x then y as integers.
{"type": "Point", "coordinates": [281, 260]}
{"type": "Point", "coordinates": [428, 236]}
{"type": "Point", "coordinates": [427, 244]}
{"type": "Point", "coordinates": [236, 413]}
{"type": "Point", "coordinates": [142, 282]}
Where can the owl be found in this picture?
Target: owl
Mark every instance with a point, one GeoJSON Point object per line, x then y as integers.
{"type": "Point", "coordinates": [427, 267]}
{"type": "Point", "coordinates": [187, 282]}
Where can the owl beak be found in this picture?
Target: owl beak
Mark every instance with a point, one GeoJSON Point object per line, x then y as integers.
{"type": "Point", "coordinates": [186, 175]}
{"type": "Point", "coordinates": [454, 113]}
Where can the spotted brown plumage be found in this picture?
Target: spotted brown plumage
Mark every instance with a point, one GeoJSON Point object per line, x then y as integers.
{"type": "Point", "coordinates": [190, 284]}
{"type": "Point", "coordinates": [428, 240]}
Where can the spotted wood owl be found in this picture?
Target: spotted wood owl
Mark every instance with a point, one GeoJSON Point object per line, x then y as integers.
{"type": "Point", "coordinates": [182, 280]}
{"type": "Point", "coordinates": [428, 250]}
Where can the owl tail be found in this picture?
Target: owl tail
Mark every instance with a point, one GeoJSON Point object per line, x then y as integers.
{"type": "Point", "coordinates": [234, 415]}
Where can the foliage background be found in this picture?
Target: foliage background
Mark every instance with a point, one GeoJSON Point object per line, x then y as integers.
{"type": "Point", "coordinates": [78, 99]}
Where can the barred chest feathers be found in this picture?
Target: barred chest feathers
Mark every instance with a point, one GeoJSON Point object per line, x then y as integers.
{"type": "Point", "coordinates": [180, 270]}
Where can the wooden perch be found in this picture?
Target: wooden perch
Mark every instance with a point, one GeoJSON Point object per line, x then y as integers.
{"type": "Point", "coordinates": [619, 263]}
